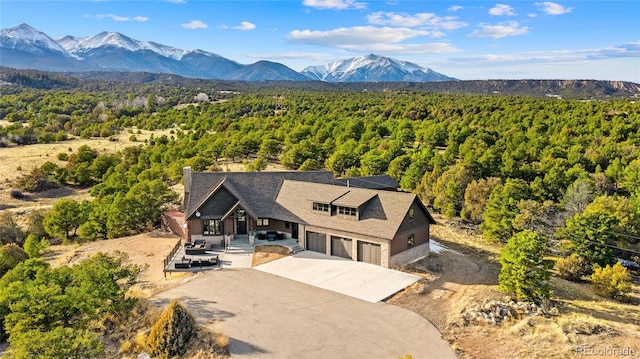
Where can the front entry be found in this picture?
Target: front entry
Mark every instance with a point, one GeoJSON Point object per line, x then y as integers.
{"type": "Point", "coordinates": [241, 222]}
{"type": "Point", "coordinates": [294, 230]}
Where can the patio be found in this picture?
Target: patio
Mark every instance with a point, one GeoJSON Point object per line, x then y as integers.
{"type": "Point", "coordinates": [202, 255]}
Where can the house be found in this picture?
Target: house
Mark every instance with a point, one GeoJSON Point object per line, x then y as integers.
{"type": "Point", "coordinates": [383, 227]}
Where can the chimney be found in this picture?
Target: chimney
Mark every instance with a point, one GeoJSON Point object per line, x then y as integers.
{"type": "Point", "coordinates": [187, 179]}
{"type": "Point", "coordinates": [187, 187]}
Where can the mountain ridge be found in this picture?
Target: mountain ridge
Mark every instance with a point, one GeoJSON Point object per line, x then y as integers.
{"type": "Point", "coordinates": [27, 48]}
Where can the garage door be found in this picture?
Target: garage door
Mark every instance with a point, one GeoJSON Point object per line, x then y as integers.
{"type": "Point", "coordinates": [341, 247]}
{"type": "Point", "coordinates": [316, 242]}
{"type": "Point", "coordinates": [369, 252]}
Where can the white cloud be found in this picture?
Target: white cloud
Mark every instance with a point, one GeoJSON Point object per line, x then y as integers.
{"type": "Point", "coordinates": [629, 50]}
{"type": "Point", "coordinates": [424, 19]}
{"type": "Point", "coordinates": [552, 8]}
{"type": "Point", "coordinates": [245, 26]}
{"type": "Point", "coordinates": [334, 4]}
{"type": "Point", "coordinates": [122, 18]}
{"type": "Point", "coordinates": [510, 28]}
{"type": "Point", "coordinates": [407, 49]}
{"type": "Point", "coordinates": [502, 10]}
{"type": "Point", "coordinates": [357, 35]}
{"type": "Point", "coordinates": [455, 8]}
{"type": "Point", "coordinates": [194, 24]}
{"type": "Point", "coordinates": [313, 56]}
{"type": "Point", "coordinates": [371, 39]}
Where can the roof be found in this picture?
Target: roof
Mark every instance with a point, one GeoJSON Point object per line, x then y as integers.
{"type": "Point", "coordinates": [288, 196]}
{"type": "Point", "coordinates": [371, 182]}
{"type": "Point", "coordinates": [381, 218]}
{"type": "Point", "coordinates": [256, 191]}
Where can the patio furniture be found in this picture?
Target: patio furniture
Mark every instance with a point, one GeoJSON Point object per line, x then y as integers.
{"type": "Point", "coordinates": [184, 263]}
{"type": "Point", "coordinates": [209, 262]}
{"type": "Point", "coordinates": [193, 248]}
{"type": "Point", "coordinates": [272, 235]}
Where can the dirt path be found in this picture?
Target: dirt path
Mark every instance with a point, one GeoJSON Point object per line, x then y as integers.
{"type": "Point", "coordinates": [457, 279]}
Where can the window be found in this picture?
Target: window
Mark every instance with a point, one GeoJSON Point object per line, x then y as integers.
{"type": "Point", "coordinates": [286, 224]}
{"type": "Point", "coordinates": [411, 240]}
{"type": "Point", "coordinates": [211, 227]}
{"type": "Point", "coordinates": [411, 213]}
{"type": "Point", "coordinates": [263, 222]}
{"type": "Point", "coordinates": [347, 211]}
{"type": "Point", "coordinates": [321, 207]}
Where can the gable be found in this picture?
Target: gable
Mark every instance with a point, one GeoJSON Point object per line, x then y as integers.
{"type": "Point", "coordinates": [218, 204]}
{"type": "Point", "coordinates": [420, 217]}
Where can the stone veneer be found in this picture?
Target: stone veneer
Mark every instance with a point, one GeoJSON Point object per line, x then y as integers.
{"type": "Point", "coordinates": [409, 255]}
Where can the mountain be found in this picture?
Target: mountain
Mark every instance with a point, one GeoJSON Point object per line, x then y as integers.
{"type": "Point", "coordinates": [27, 39]}
{"type": "Point", "coordinates": [24, 47]}
{"type": "Point", "coordinates": [373, 68]}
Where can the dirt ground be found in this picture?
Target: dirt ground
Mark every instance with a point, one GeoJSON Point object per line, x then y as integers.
{"type": "Point", "coordinates": [466, 275]}
{"type": "Point", "coordinates": [30, 156]}
{"type": "Point", "coordinates": [147, 250]}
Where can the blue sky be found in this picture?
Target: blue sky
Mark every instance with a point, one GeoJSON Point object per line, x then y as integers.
{"type": "Point", "coordinates": [464, 39]}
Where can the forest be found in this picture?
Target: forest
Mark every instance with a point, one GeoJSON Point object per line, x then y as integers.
{"type": "Point", "coordinates": [566, 170]}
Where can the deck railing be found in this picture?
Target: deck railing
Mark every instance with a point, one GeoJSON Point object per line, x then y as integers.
{"type": "Point", "coordinates": [169, 257]}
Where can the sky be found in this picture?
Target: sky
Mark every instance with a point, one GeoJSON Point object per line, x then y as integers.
{"type": "Point", "coordinates": [464, 39]}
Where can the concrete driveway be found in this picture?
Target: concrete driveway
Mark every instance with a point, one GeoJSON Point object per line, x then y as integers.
{"type": "Point", "coordinates": [266, 316]}
{"type": "Point", "coordinates": [356, 279]}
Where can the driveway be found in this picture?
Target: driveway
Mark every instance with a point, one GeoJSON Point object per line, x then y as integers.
{"type": "Point", "coordinates": [266, 316]}
{"type": "Point", "coordinates": [360, 280]}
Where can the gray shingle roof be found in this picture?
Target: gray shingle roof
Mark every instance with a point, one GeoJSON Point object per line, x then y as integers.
{"type": "Point", "coordinates": [289, 196]}
{"type": "Point", "coordinates": [256, 191]}
{"type": "Point", "coordinates": [371, 182]}
{"type": "Point", "coordinates": [380, 218]}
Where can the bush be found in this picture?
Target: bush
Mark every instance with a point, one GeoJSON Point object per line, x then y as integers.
{"type": "Point", "coordinates": [571, 268]}
{"type": "Point", "coordinates": [611, 282]}
{"type": "Point", "coordinates": [35, 246]}
{"type": "Point", "coordinates": [171, 334]}
{"type": "Point", "coordinates": [16, 194]}
{"type": "Point", "coordinates": [63, 156]}
{"type": "Point", "coordinates": [10, 255]}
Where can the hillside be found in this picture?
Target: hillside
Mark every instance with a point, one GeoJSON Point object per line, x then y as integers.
{"type": "Point", "coordinates": [568, 89]}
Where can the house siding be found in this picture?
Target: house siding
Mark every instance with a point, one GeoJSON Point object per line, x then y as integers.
{"type": "Point", "coordinates": [276, 225]}
{"type": "Point", "coordinates": [419, 226]}
{"type": "Point", "coordinates": [218, 205]}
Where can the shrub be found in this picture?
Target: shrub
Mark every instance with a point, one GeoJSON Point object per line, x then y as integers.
{"type": "Point", "coordinates": [16, 194]}
{"type": "Point", "coordinates": [571, 268]}
{"type": "Point", "coordinates": [612, 282]}
{"type": "Point", "coordinates": [35, 246]}
{"type": "Point", "coordinates": [10, 255]}
{"type": "Point", "coordinates": [63, 156]}
{"type": "Point", "coordinates": [170, 335]}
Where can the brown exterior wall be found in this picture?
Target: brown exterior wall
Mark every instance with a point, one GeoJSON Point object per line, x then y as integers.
{"type": "Point", "coordinates": [419, 225]}
{"type": "Point", "coordinates": [276, 225]}
{"type": "Point", "coordinates": [399, 242]}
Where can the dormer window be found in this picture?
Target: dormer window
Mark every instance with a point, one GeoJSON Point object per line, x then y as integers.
{"type": "Point", "coordinates": [347, 211]}
{"type": "Point", "coordinates": [321, 207]}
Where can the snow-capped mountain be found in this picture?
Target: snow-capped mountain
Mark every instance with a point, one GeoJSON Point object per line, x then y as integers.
{"type": "Point", "coordinates": [79, 45]}
{"type": "Point", "coordinates": [27, 39]}
{"type": "Point", "coordinates": [373, 68]}
{"type": "Point", "coordinates": [24, 47]}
